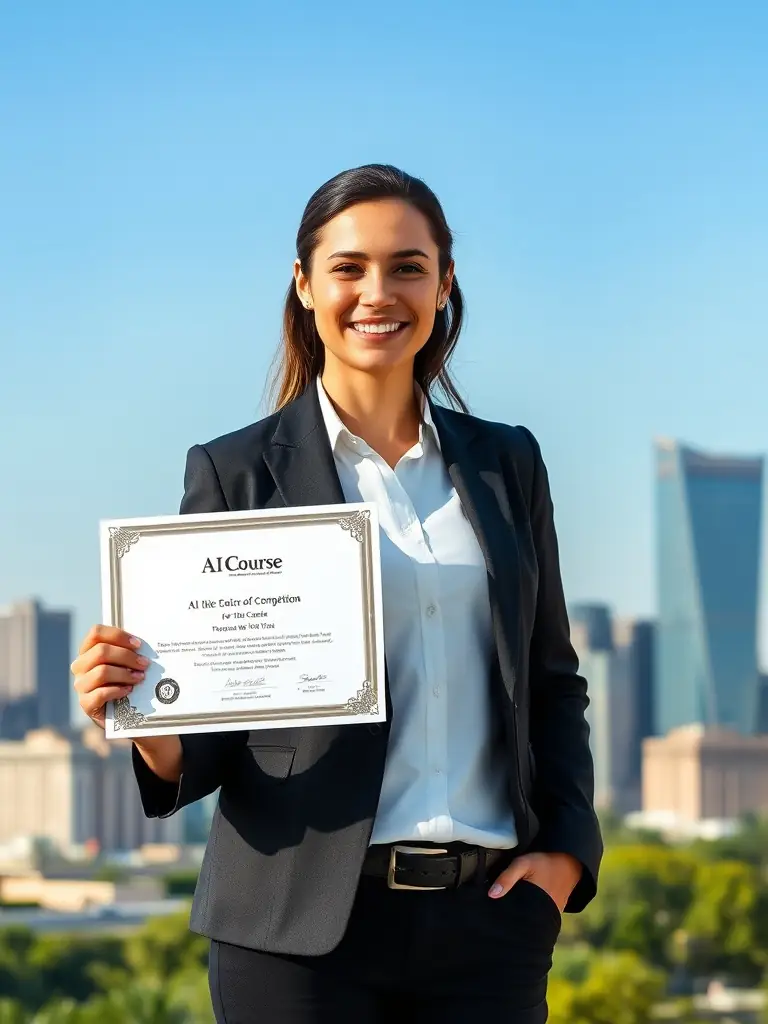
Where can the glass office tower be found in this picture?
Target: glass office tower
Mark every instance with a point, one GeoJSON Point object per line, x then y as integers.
{"type": "Point", "coordinates": [708, 515]}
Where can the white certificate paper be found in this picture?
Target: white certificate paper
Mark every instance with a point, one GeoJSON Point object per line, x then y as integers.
{"type": "Point", "coordinates": [252, 620]}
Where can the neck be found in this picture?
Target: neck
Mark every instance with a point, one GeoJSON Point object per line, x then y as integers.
{"type": "Point", "coordinates": [382, 410]}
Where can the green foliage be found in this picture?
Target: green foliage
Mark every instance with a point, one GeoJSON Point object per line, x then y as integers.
{"type": "Point", "coordinates": [723, 921]}
{"type": "Point", "coordinates": [180, 883]}
{"type": "Point", "coordinates": [17, 980]}
{"type": "Point", "coordinates": [157, 974]}
{"type": "Point", "coordinates": [749, 844]}
{"type": "Point", "coordinates": [645, 892]}
{"type": "Point", "coordinates": [11, 1012]}
{"type": "Point", "coordinates": [110, 873]}
{"type": "Point", "coordinates": [660, 908]}
{"type": "Point", "coordinates": [572, 962]}
{"type": "Point", "coordinates": [164, 947]}
{"type": "Point", "coordinates": [620, 988]}
{"type": "Point", "coordinates": [64, 965]}
{"type": "Point", "coordinates": [137, 1003]}
{"type": "Point", "coordinates": [64, 1011]}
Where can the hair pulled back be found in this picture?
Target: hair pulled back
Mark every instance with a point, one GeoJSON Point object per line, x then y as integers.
{"type": "Point", "coordinates": [301, 354]}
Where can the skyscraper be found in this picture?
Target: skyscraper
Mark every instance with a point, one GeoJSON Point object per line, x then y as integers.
{"type": "Point", "coordinates": [611, 705]}
{"type": "Point", "coordinates": [708, 511]}
{"type": "Point", "coordinates": [633, 671]}
{"type": "Point", "coordinates": [34, 669]}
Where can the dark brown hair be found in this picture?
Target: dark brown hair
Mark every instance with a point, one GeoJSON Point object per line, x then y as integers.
{"type": "Point", "coordinates": [300, 357]}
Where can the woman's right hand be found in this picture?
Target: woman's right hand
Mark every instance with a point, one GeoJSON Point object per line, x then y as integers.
{"type": "Point", "coordinates": [107, 668]}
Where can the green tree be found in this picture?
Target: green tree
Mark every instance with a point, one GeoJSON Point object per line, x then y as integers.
{"type": "Point", "coordinates": [17, 978]}
{"type": "Point", "coordinates": [12, 1012]}
{"type": "Point", "coordinates": [135, 1003]}
{"type": "Point", "coordinates": [644, 895]}
{"type": "Point", "coordinates": [64, 965]}
{"type": "Point", "coordinates": [619, 989]}
{"type": "Point", "coordinates": [722, 923]}
{"type": "Point", "coordinates": [749, 844]}
{"type": "Point", "coordinates": [165, 946]}
{"type": "Point", "coordinates": [572, 962]}
{"type": "Point", "coordinates": [180, 883]}
{"type": "Point", "coordinates": [59, 1011]}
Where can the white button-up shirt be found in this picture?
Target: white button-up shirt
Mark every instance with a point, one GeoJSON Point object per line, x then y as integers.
{"type": "Point", "coordinates": [444, 779]}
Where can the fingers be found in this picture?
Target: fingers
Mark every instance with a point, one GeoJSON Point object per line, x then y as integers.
{"type": "Point", "coordinates": [519, 868]}
{"type": "Point", "coordinates": [109, 635]}
{"type": "Point", "coordinates": [102, 684]}
{"type": "Point", "coordinates": [93, 703]}
{"type": "Point", "coordinates": [108, 654]}
{"type": "Point", "coordinates": [107, 668]}
{"type": "Point", "coordinates": [107, 675]}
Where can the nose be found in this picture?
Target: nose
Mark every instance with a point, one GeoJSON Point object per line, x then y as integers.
{"type": "Point", "coordinates": [377, 290]}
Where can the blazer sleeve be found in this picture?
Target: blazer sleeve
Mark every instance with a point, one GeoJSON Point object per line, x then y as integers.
{"type": "Point", "coordinates": [205, 756]}
{"type": "Point", "coordinates": [559, 732]}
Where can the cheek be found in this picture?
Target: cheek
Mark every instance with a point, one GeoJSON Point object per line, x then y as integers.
{"type": "Point", "coordinates": [333, 299]}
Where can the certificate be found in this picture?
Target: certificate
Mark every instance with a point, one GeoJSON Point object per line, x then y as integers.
{"type": "Point", "coordinates": [252, 620]}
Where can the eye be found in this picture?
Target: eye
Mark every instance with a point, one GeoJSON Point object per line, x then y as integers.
{"type": "Point", "coordinates": [410, 268]}
{"type": "Point", "coordinates": [347, 268]}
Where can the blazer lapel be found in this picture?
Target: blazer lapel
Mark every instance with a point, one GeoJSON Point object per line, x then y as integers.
{"type": "Point", "coordinates": [477, 475]}
{"type": "Point", "coordinates": [300, 457]}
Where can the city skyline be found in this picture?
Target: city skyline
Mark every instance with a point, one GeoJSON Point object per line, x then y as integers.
{"type": "Point", "coordinates": [587, 597]}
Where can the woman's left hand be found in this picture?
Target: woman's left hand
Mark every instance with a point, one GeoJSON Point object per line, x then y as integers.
{"type": "Point", "coordinates": [556, 873]}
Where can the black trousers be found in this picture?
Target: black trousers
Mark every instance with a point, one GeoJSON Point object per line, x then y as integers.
{"type": "Point", "coordinates": [438, 957]}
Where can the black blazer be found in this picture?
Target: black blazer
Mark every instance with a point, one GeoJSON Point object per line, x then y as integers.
{"type": "Point", "coordinates": [296, 806]}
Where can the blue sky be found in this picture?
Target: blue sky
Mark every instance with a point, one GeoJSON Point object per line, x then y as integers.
{"type": "Point", "coordinates": [604, 167]}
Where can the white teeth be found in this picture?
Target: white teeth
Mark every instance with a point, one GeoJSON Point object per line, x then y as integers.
{"type": "Point", "coordinates": [376, 328]}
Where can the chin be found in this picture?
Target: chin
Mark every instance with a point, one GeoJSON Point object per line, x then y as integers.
{"type": "Point", "coordinates": [380, 362]}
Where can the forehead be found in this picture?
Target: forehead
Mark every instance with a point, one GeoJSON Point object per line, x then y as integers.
{"type": "Point", "coordinates": [377, 228]}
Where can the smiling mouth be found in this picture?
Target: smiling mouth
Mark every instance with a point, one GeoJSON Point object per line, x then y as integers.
{"type": "Point", "coordinates": [385, 327]}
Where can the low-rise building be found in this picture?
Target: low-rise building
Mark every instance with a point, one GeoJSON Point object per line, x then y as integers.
{"type": "Point", "coordinates": [696, 774]}
{"type": "Point", "coordinates": [76, 791]}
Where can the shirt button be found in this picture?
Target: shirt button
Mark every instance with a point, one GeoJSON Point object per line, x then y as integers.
{"type": "Point", "coordinates": [431, 609]}
{"type": "Point", "coordinates": [436, 691]}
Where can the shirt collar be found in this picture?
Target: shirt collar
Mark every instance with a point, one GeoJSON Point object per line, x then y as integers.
{"type": "Point", "coordinates": [338, 432]}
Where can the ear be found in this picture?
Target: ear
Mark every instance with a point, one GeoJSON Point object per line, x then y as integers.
{"type": "Point", "coordinates": [301, 281]}
{"type": "Point", "coordinates": [446, 284]}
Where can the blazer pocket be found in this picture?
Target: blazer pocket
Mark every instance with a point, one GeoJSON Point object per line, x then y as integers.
{"type": "Point", "coordinates": [276, 762]}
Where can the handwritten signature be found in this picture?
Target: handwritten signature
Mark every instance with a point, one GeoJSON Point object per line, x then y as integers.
{"type": "Point", "coordinates": [253, 681]}
{"type": "Point", "coordinates": [304, 678]}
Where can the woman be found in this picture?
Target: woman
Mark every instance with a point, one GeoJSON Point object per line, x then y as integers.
{"type": "Point", "coordinates": [414, 871]}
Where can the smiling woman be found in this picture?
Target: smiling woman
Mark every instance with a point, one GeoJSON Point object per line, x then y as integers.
{"type": "Point", "coordinates": [415, 871]}
{"type": "Point", "coordinates": [374, 255]}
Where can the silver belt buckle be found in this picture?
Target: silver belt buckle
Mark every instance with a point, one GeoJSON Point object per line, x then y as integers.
{"type": "Point", "coordinates": [428, 850]}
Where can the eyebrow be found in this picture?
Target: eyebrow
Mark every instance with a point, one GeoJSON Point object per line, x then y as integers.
{"type": "Point", "coordinates": [402, 254]}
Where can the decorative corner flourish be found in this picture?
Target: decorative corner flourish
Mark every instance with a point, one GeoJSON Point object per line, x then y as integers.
{"type": "Point", "coordinates": [365, 702]}
{"type": "Point", "coordinates": [126, 715]}
{"type": "Point", "coordinates": [356, 524]}
{"type": "Point", "coordinates": [123, 539]}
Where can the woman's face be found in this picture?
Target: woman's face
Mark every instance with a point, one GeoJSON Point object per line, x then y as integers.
{"type": "Point", "coordinates": [375, 285]}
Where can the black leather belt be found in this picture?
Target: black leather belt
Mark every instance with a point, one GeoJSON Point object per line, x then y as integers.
{"type": "Point", "coordinates": [407, 866]}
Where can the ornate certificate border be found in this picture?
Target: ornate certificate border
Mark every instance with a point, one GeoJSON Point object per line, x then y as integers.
{"type": "Point", "coordinates": [356, 522]}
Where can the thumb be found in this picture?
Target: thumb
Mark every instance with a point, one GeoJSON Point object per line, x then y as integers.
{"type": "Point", "coordinates": [519, 868]}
